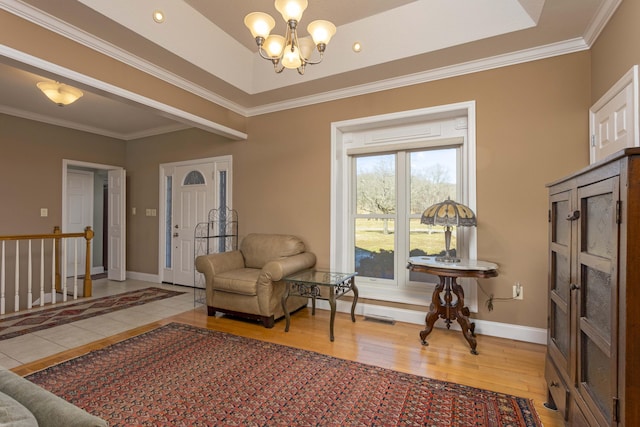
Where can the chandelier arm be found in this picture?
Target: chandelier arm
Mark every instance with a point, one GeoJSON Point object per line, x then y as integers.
{"type": "Point", "coordinates": [308, 62]}
{"type": "Point", "coordinates": [263, 54]}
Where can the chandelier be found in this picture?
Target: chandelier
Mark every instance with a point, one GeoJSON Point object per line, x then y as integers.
{"type": "Point", "coordinates": [290, 51]}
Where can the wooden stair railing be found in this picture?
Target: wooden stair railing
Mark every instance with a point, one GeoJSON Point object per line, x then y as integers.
{"type": "Point", "coordinates": [58, 254]}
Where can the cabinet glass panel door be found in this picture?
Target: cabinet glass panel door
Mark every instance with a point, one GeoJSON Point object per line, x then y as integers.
{"type": "Point", "coordinates": [560, 262]}
{"type": "Point", "coordinates": [597, 297]}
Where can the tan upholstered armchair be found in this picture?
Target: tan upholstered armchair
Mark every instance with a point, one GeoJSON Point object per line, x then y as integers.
{"type": "Point", "coordinates": [248, 282]}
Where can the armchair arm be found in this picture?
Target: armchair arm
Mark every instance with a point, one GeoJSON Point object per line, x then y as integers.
{"type": "Point", "coordinates": [213, 264]}
{"type": "Point", "coordinates": [278, 269]}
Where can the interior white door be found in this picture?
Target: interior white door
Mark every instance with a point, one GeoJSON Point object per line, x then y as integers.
{"type": "Point", "coordinates": [80, 216]}
{"type": "Point", "coordinates": [116, 230]}
{"type": "Point", "coordinates": [193, 198]}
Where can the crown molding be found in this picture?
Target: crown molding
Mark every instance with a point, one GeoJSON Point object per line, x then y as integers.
{"type": "Point", "coordinates": [534, 54]}
{"type": "Point", "coordinates": [90, 129]}
{"type": "Point", "coordinates": [605, 12]}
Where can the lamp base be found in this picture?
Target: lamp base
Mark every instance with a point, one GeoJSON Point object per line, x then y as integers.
{"type": "Point", "coordinates": [448, 259]}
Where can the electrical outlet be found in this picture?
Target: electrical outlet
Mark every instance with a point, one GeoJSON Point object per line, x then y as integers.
{"type": "Point", "coordinates": [518, 291]}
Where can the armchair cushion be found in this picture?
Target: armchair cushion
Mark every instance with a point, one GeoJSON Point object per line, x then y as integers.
{"type": "Point", "coordinates": [258, 249]}
{"type": "Point", "coordinates": [241, 281]}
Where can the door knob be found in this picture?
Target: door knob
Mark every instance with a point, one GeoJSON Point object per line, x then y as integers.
{"type": "Point", "coordinates": [573, 216]}
{"type": "Point", "coordinates": [176, 226]}
{"type": "Point", "coordinates": [574, 287]}
{"type": "Point", "coordinates": [175, 234]}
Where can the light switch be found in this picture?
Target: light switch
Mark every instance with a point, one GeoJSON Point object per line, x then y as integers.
{"type": "Point", "coordinates": [44, 212]}
{"type": "Point", "coordinates": [133, 211]}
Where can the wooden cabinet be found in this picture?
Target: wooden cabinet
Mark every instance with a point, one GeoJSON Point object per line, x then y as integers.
{"type": "Point", "coordinates": [593, 352]}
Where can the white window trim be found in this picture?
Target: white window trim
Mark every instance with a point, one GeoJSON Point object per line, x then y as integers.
{"type": "Point", "coordinates": [407, 126]}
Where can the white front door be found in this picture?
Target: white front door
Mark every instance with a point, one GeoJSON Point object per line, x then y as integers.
{"type": "Point", "coordinates": [193, 199]}
{"type": "Point", "coordinates": [80, 216]}
{"type": "Point", "coordinates": [116, 242]}
{"type": "Point", "coordinates": [190, 190]}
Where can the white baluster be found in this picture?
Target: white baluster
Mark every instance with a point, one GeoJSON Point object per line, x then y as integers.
{"type": "Point", "coordinates": [29, 278]}
{"type": "Point", "coordinates": [63, 280]}
{"type": "Point", "coordinates": [16, 302]}
{"type": "Point", "coordinates": [3, 300]}
{"type": "Point", "coordinates": [75, 269]}
{"type": "Point", "coordinates": [42, 294]}
{"type": "Point", "coordinates": [54, 295]}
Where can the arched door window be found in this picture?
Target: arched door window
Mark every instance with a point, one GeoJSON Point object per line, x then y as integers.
{"type": "Point", "coordinates": [193, 178]}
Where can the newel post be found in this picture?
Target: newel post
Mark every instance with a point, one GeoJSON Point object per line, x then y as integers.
{"type": "Point", "coordinates": [88, 235]}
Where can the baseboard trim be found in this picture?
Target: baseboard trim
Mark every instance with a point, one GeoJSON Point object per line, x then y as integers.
{"type": "Point", "coordinates": [483, 327]}
{"type": "Point", "coordinates": [146, 277]}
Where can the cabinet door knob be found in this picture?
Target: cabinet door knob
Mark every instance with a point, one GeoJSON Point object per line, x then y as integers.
{"type": "Point", "coordinates": [573, 216]}
{"type": "Point", "coordinates": [574, 287]}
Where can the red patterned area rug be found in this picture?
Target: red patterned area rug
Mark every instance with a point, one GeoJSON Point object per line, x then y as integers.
{"type": "Point", "coordinates": [61, 314]}
{"type": "Point", "coordinates": [180, 375]}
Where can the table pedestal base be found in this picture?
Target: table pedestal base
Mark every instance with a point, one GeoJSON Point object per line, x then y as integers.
{"type": "Point", "coordinates": [449, 311]}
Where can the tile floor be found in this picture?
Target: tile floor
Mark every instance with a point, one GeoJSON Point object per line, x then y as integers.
{"type": "Point", "coordinates": [30, 347]}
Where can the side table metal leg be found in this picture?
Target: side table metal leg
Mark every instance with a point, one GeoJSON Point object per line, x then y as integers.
{"type": "Point", "coordinates": [355, 299]}
{"type": "Point", "coordinates": [332, 303]}
{"type": "Point", "coordinates": [285, 296]}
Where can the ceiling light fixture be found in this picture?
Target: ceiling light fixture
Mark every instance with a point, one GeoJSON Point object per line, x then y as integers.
{"type": "Point", "coordinates": [289, 51]}
{"type": "Point", "coordinates": [158, 16]}
{"type": "Point", "coordinates": [60, 93]}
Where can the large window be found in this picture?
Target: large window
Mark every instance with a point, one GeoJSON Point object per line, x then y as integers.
{"type": "Point", "coordinates": [387, 171]}
{"type": "Point", "coordinates": [391, 192]}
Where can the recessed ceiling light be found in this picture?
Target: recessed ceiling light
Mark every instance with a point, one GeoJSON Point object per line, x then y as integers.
{"type": "Point", "coordinates": [357, 47]}
{"type": "Point", "coordinates": [158, 16]}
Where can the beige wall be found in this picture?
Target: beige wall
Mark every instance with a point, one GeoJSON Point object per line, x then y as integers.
{"type": "Point", "coordinates": [531, 129]}
{"type": "Point", "coordinates": [31, 155]}
{"type": "Point", "coordinates": [617, 48]}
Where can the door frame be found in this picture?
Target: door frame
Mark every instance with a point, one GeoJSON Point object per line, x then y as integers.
{"type": "Point", "coordinates": [166, 169]}
{"type": "Point", "coordinates": [66, 163]}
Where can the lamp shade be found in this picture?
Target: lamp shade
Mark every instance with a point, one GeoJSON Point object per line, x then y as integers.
{"type": "Point", "coordinates": [260, 24]}
{"type": "Point", "coordinates": [306, 47]}
{"type": "Point", "coordinates": [60, 93]}
{"type": "Point", "coordinates": [291, 9]}
{"type": "Point", "coordinates": [274, 45]}
{"type": "Point", "coordinates": [291, 58]}
{"type": "Point", "coordinates": [321, 31]}
{"type": "Point", "coordinates": [449, 213]}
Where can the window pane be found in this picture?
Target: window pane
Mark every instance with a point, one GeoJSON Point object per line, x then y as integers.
{"type": "Point", "coordinates": [433, 178]}
{"type": "Point", "coordinates": [428, 240]}
{"type": "Point", "coordinates": [193, 178]}
{"type": "Point", "coordinates": [374, 252]}
{"type": "Point", "coordinates": [167, 226]}
{"type": "Point", "coordinates": [376, 184]}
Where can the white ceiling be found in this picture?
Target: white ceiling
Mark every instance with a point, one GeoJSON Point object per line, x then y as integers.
{"type": "Point", "coordinates": [204, 47]}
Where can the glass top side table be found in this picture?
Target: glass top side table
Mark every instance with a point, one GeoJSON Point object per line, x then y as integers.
{"type": "Point", "coordinates": [308, 284]}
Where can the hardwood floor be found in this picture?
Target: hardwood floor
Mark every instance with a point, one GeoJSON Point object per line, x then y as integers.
{"type": "Point", "coordinates": [506, 366]}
